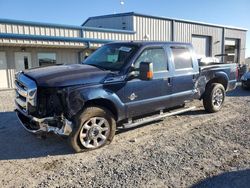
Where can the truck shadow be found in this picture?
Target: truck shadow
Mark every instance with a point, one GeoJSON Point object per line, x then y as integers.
{"type": "Point", "coordinates": [237, 179]}
{"type": "Point", "coordinates": [16, 143]}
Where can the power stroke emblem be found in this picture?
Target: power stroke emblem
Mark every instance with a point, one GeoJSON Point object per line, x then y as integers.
{"type": "Point", "coordinates": [132, 97]}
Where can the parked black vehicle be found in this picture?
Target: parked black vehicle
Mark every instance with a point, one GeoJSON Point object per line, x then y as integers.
{"type": "Point", "coordinates": [121, 84]}
{"type": "Point", "coordinates": [245, 80]}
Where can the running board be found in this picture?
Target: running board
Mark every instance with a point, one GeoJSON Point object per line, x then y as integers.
{"type": "Point", "coordinates": [137, 122]}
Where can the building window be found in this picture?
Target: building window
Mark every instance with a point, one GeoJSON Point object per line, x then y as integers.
{"type": "Point", "coordinates": [182, 58]}
{"type": "Point", "coordinates": [46, 59]}
{"type": "Point", "coordinates": [232, 50]}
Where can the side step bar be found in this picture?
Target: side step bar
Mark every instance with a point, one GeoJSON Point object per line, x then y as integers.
{"type": "Point", "coordinates": [137, 122]}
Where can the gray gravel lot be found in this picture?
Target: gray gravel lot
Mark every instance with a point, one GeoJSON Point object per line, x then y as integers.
{"type": "Point", "coordinates": [195, 149]}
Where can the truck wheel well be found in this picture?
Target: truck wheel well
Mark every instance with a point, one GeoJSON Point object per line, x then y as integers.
{"type": "Point", "coordinates": [219, 80]}
{"type": "Point", "coordinates": [104, 103]}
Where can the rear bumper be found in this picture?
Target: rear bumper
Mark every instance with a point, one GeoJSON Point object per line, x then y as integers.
{"type": "Point", "coordinates": [42, 126]}
{"type": "Point", "coordinates": [245, 83]}
{"type": "Point", "coordinates": [232, 85]}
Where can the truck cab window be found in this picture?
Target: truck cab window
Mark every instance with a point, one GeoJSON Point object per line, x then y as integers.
{"type": "Point", "coordinates": [111, 57]}
{"type": "Point", "coordinates": [155, 55]}
{"type": "Point", "coordinates": [182, 58]}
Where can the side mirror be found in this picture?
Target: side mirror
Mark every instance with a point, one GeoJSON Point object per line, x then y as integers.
{"type": "Point", "coordinates": [146, 71]}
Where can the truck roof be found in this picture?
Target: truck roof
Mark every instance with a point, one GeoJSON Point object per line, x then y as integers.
{"type": "Point", "coordinates": [148, 43]}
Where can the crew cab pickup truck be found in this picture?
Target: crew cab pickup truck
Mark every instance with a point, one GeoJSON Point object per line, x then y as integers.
{"type": "Point", "coordinates": [122, 84]}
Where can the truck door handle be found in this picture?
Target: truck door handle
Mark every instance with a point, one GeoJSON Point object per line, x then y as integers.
{"type": "Point", "coordinates": [169, 81]}
{"type": "Point", "coordinates": [194, 78]}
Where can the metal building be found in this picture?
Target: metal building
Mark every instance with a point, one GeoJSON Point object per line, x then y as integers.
{"type": "Point", "coordinates": [31, 44]}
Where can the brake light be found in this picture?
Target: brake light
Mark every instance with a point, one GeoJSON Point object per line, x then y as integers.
{"type": "Point", "coordinates": [237, 73]}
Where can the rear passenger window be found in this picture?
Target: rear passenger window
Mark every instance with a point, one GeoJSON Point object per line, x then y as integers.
{"type": "Point", "coordinates": [182, 58]}
{"type": "Point", "coordinates": [155, 55]}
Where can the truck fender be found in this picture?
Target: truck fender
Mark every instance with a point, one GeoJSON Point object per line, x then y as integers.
{"type": "Point", "coordinates": [204, 80]}
{"type": "Point", "coordinates": [82, 96]}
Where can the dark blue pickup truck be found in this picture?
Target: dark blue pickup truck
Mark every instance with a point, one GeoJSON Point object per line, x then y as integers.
{"type": "Point", "coordinates": [122, 84]}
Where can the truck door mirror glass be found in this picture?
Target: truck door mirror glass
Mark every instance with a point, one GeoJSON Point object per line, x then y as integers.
{"type": "Point", "coordinates": [146, 71]}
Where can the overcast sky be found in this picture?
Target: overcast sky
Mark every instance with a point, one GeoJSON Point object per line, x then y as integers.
{"type": "Point", "coordinates": [75, 12]}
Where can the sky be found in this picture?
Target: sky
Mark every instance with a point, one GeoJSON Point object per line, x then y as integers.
{"type": "Point", "coordinates": [75, 12]}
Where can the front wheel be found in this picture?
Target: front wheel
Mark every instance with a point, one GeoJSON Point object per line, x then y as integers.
{"type": "Point", "coordinates": [94, 128]}
{"type": "Point", "coordinates": [214, 97]}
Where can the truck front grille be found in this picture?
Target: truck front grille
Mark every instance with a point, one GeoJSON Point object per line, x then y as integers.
{"type": "Point", "coordinates": [26, 93]}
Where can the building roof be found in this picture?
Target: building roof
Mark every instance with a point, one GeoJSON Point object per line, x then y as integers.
{"type": "Point", "coordinates": [23, 22]}
{"type": "Point", "coordinates": [52, 38]}
{"type": "Point", "coordinates": [163, 18]}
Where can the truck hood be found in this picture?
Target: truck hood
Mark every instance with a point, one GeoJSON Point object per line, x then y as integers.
{"type": "Point", "coordinates": [66, 75]}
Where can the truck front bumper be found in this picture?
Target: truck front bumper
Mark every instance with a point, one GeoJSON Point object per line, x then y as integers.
{"type": "Point", "coordinates": [42, 126]}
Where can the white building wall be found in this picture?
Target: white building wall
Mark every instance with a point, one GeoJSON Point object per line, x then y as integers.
{"type": "Point", "coordinates": [63, 56]}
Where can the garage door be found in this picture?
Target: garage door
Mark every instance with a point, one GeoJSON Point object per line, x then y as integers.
{"type": "Point", "coordinates": [3, 71]}
{"type": "Point", "coordinates": [201, 45]}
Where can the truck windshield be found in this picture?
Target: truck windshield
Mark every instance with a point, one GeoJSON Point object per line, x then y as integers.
{"type": "Point", "coordinates": [111, 56]}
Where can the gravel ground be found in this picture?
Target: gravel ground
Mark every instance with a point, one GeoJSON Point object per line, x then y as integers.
{"type": "Point", "coordinates": [195, 149]}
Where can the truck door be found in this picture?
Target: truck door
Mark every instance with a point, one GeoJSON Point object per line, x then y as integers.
{"type": "Point", "coordinates": [143, 97]}
{"type": "Point", "coordinates": [186, 71]}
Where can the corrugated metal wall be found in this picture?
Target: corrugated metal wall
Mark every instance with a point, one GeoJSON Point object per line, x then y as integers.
{"type": "Point", "coordinates": [240, 35]}
{"type": "Point", "coordinates": [145, 29]}
{"type": "Point", "coordinates": [38, 30]}
{"type": "Point", "coordinates": [121, 22]}
{"type": "Point", "coordinates": [156, 29]}
{"type": "Point", "coordinates": [108, 35]}
{"type": "Point", "coordinates": [152, 29]}
{"type": "Point", "coordinates": [184, 32]}
{"type": "Point", "coordinates": [12, 28]}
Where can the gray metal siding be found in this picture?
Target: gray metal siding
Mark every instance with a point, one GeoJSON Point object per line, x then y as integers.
{"type": "Point", "coordinates": [38, 30]}
{"type": "Point", "coordinates": [123, 23]}
{"type": "Point", "coordinates": [184, 32]}
{"type": "Point", "coordinates": [108, 35]}
{"type": "Point", "coordinates": [241, 35]}
{"type": "Point", "coordinates": [12, 28]}
{"type": "Point", "coordinates": [154, 29]}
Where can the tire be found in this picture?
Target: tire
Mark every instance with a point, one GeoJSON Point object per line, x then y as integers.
{"type": "Point", "coordinates": [243, 86]}
{"type": "Point", "coordinates": [214, 97]}
{"type": "Point", "coordinates": [94, 128]}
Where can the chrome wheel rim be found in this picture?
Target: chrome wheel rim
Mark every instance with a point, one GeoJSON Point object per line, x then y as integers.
{"type": "Point", "coordinates": [218, 98]}
{"type": "Point", "coordinates": [94, 132]}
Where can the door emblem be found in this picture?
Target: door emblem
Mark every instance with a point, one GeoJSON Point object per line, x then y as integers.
{"type": "Point", "coordinates": [133, 96]}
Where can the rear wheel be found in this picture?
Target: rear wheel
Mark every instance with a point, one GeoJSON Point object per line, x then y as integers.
{"type": "Point", "coordinates": [243, 85]}
{"type": "Point", "coordinates": [94, 128]}
{"type": "Point", "coordinates": [214, 97]}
